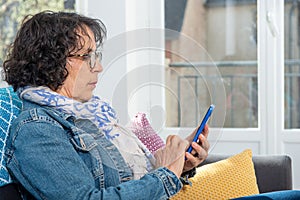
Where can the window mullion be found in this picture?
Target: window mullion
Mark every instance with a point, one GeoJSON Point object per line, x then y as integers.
{"type": "Point", "coordinates": [271, 72]}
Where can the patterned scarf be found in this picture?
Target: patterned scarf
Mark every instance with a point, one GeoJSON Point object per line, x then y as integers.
{"type": "Point", "coordinates": [137, 156]}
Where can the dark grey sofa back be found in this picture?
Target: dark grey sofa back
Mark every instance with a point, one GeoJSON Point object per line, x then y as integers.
{"type": "Point", "coordinates": [273, 172]}
{"type": "Point", "coordinates": [10, 192]}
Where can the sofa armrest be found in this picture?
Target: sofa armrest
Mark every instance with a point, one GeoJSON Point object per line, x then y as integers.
{"type": "Point", "coordinates": [273, 172]}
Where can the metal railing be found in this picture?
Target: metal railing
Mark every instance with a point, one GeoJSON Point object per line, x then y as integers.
{"type": "Point", "coordinates": [292, 72]}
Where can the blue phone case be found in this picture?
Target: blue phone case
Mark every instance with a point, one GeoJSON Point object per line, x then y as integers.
{"type": "Point", "coordinates": [201, 127]}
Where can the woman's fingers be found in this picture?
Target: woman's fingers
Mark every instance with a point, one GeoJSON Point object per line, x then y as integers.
{"type": "Point", "coordinates": [172, 155]}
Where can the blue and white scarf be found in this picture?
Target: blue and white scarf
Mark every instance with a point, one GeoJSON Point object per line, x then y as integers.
{"type": "Point", "coordinates": [137, 156]}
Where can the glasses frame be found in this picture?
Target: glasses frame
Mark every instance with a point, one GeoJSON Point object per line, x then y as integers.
{"type": "Point", "coordinates": [93, 57]}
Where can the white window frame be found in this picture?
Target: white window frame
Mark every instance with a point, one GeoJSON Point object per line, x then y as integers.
{"type": "Point", "coordinates": [270, 137]}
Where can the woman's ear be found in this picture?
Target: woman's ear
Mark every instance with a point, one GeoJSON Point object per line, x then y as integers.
{"type": "Point", "coordinates": [70, 62]}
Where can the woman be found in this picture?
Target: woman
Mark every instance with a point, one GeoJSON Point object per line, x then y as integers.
{"type": "Point", "coordinates": [67, 143]}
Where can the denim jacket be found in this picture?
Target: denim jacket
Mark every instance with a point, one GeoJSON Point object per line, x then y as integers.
{"type": "Point", "coordinates": [55, 156]}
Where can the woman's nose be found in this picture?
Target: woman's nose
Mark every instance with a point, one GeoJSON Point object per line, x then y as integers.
{"type": "Point", "coordinates": [98, 67]}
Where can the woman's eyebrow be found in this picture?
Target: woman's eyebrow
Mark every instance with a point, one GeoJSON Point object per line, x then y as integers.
{"type": "Point", "coordinates": [89, 50]}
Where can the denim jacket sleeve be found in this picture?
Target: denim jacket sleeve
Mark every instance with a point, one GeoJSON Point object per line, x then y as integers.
{"type": "Point", "coordinates": [43, 160]}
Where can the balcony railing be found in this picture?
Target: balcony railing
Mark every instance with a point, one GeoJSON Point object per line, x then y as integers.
{"type": "Point", "coordinates": [292, 89]}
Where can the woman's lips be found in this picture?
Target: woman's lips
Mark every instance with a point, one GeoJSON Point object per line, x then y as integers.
{"type": "Point", "coordinates": [93, 84]}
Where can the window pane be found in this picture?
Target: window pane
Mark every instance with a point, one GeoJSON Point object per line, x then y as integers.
{"type": "Point", "coordinates": [292, 65]}
{"type": "Point", "coordinates": [226, 35]}
{"type": "Point", "coordinates": [13, 12]}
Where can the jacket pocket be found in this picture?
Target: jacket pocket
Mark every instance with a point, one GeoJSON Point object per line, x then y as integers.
{"type": "Point", "coordinates": [84, 142]}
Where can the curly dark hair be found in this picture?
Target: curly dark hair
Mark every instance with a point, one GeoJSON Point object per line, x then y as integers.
{"type": "Point", "coordinates": [38, 55]}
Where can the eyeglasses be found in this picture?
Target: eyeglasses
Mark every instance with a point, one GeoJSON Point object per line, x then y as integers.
{"type": "Point", "coordinates": [93, 57]}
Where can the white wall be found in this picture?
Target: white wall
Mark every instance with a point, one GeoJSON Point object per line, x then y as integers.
{"type": "Point", "coordinates": [132, 68]}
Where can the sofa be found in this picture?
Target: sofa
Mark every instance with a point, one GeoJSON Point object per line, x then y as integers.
{"type": "Point", "coordinates": [273, 173]}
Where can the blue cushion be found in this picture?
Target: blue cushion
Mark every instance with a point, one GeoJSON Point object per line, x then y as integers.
{"type": "Point", "coordinates": [10, 106]}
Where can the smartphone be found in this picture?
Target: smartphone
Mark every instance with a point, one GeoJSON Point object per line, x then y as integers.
{"type": "Point", "coordinates": [201, 127]}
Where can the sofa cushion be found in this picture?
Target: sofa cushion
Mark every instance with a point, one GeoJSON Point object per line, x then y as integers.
{"type": "Point", "coordinates": [230, 178]}
{"type": "Point", "coordinates": [10, 106]}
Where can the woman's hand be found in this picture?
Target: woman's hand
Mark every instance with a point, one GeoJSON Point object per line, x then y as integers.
{"type": "Point", "coordinates": [172, 155]}
{"type": "Point", "coordinates": [199, 152]}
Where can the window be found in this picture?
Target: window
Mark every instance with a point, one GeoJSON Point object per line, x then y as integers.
{"type": "Point", "coordinates": [13, 11]}
{"type": "Point", "coordinates": [218, 35]}
{"type": "Point", "coordinates": [292, 65]}
{"type": "Point", "coordinates": [243, 39]}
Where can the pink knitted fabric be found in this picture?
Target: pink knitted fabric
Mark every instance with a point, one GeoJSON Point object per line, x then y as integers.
{"type": "Point", "coordinates": [141, 127]}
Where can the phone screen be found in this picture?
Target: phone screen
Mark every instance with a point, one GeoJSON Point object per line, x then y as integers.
{"type": "Point", "coordinates": [201, 127]}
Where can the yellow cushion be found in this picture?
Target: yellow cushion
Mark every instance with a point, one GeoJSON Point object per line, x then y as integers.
{"type": "Point", "coordinates": [230, 178]}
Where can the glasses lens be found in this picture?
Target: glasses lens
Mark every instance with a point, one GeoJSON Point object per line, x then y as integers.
{"type": "Point", "coordinates": [93, 60]}
{"type": "Point", "coordinates": [94, 57]}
